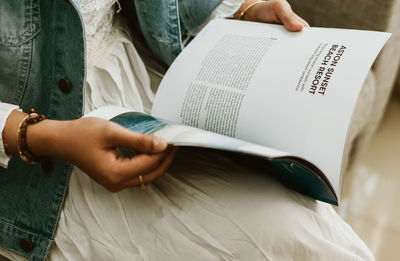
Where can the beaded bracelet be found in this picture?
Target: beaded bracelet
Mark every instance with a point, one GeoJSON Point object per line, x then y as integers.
{"type": "Point", "coordinates": [22, 145]}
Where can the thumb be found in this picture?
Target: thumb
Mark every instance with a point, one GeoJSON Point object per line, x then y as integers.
{"type": "Point", "coordinates": [288, 18]}
{"type": "Point", "coordinates": [143, 143]}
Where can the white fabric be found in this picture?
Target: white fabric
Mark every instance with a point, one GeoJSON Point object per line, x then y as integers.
{"type": "Point", "coordinates": [5, 111]}
{"type": "Point", "coordinates": [207, 207]}
{"type": "Point", "coordinates": [119, 77]}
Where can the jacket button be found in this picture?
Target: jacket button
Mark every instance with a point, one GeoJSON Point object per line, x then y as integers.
{"type": "Point", "coordinates": [64, 85]}
{"type": "Point", "coordinates": [48, 165]}
{"type": "Point", "coordinates": [26, 245]}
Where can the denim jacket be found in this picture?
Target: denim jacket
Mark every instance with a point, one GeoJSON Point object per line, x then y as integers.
{"type": "Point", "coordinates": [43, 65]}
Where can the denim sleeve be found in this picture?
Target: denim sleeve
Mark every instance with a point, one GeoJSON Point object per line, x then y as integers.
{"type": "Point", "coordinates": [226, 9]}
{"type": "Point", "coordinates": [5, 111]}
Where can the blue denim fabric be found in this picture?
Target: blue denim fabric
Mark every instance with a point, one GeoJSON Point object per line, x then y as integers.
{"type": "Point", "coordinates": [41, 42]}
{"type": "Point", "coordinates": [193, 12]}
{"type": "Point", "coordinates": [159, 21]}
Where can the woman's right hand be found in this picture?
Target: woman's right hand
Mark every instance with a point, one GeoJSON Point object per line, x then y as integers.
{"type": "Point", "coordinates": [91, 143]}
{"type": "Point", "coordinates": [272, 11]}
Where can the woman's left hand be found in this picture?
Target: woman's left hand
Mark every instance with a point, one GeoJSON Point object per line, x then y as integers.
{"type": "Point", "coordinates": [272, 11]}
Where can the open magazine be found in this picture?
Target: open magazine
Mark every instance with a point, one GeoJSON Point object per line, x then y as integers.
{"type": "Point", "coordinates": [282, 99]}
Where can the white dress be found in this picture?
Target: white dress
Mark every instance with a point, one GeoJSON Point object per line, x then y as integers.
{"type": "Point", "coordinates": [207, 207]}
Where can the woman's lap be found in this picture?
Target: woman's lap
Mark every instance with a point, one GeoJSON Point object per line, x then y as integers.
{"type": "Point", "coordinates": [206, 208]}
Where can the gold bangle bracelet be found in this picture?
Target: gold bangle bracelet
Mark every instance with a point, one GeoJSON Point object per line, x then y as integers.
{"type": "Point", "coordinates": [247, 8]}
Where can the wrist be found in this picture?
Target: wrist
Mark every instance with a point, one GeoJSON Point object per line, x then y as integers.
{"type": "Point", "coordinates": [10, 131]}
{"type": "Point", "coordinates": [246, 10]}
{"type": "Point", "coordinates": [44, 138]}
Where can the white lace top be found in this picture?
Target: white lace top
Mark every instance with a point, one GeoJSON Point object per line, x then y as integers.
{"type": "Point", "coordinates": [98, 16]}
{"type": "Point", "coordinates": [115, 73]}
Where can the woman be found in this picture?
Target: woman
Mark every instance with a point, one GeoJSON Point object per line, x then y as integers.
{"type": "Point", "coordinates": [205, 208]}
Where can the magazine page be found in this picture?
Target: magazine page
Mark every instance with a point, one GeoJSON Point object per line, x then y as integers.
{"type": "Point", "coordinates": [292, 171]}
{"type": "Point", "coordinates": [181, 135]}
{"type": "Point", "coordinates": [258, 82]}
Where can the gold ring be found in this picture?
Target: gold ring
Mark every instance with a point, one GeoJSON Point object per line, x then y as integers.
{"type": "Point", "coordinates": [142, 185]}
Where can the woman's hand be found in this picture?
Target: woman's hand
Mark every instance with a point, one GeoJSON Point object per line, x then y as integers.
{"type": "Point", "coordinates": [272, 11]}
{"type": "Point", "coordinates": [91, 143]}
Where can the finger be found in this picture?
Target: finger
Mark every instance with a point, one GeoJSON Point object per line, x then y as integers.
{"type": "Point", "coordinates": [139, 164]}
{"type": "Point", "coordinates": [288, 18]}
{"type": "Point", "coordinates": [149, 177]}
{"type": "Point", "coordinates": [123, 137]}
{"type": "Point", "coordinates": [121, 170]}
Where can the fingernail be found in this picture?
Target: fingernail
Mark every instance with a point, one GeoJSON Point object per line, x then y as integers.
{"type": "Point", "coordinates": [298, 22]}
{"type": "Point", "coordinates": [159, 143]}
{"type": "Point", "coordinates": [302, 23]}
